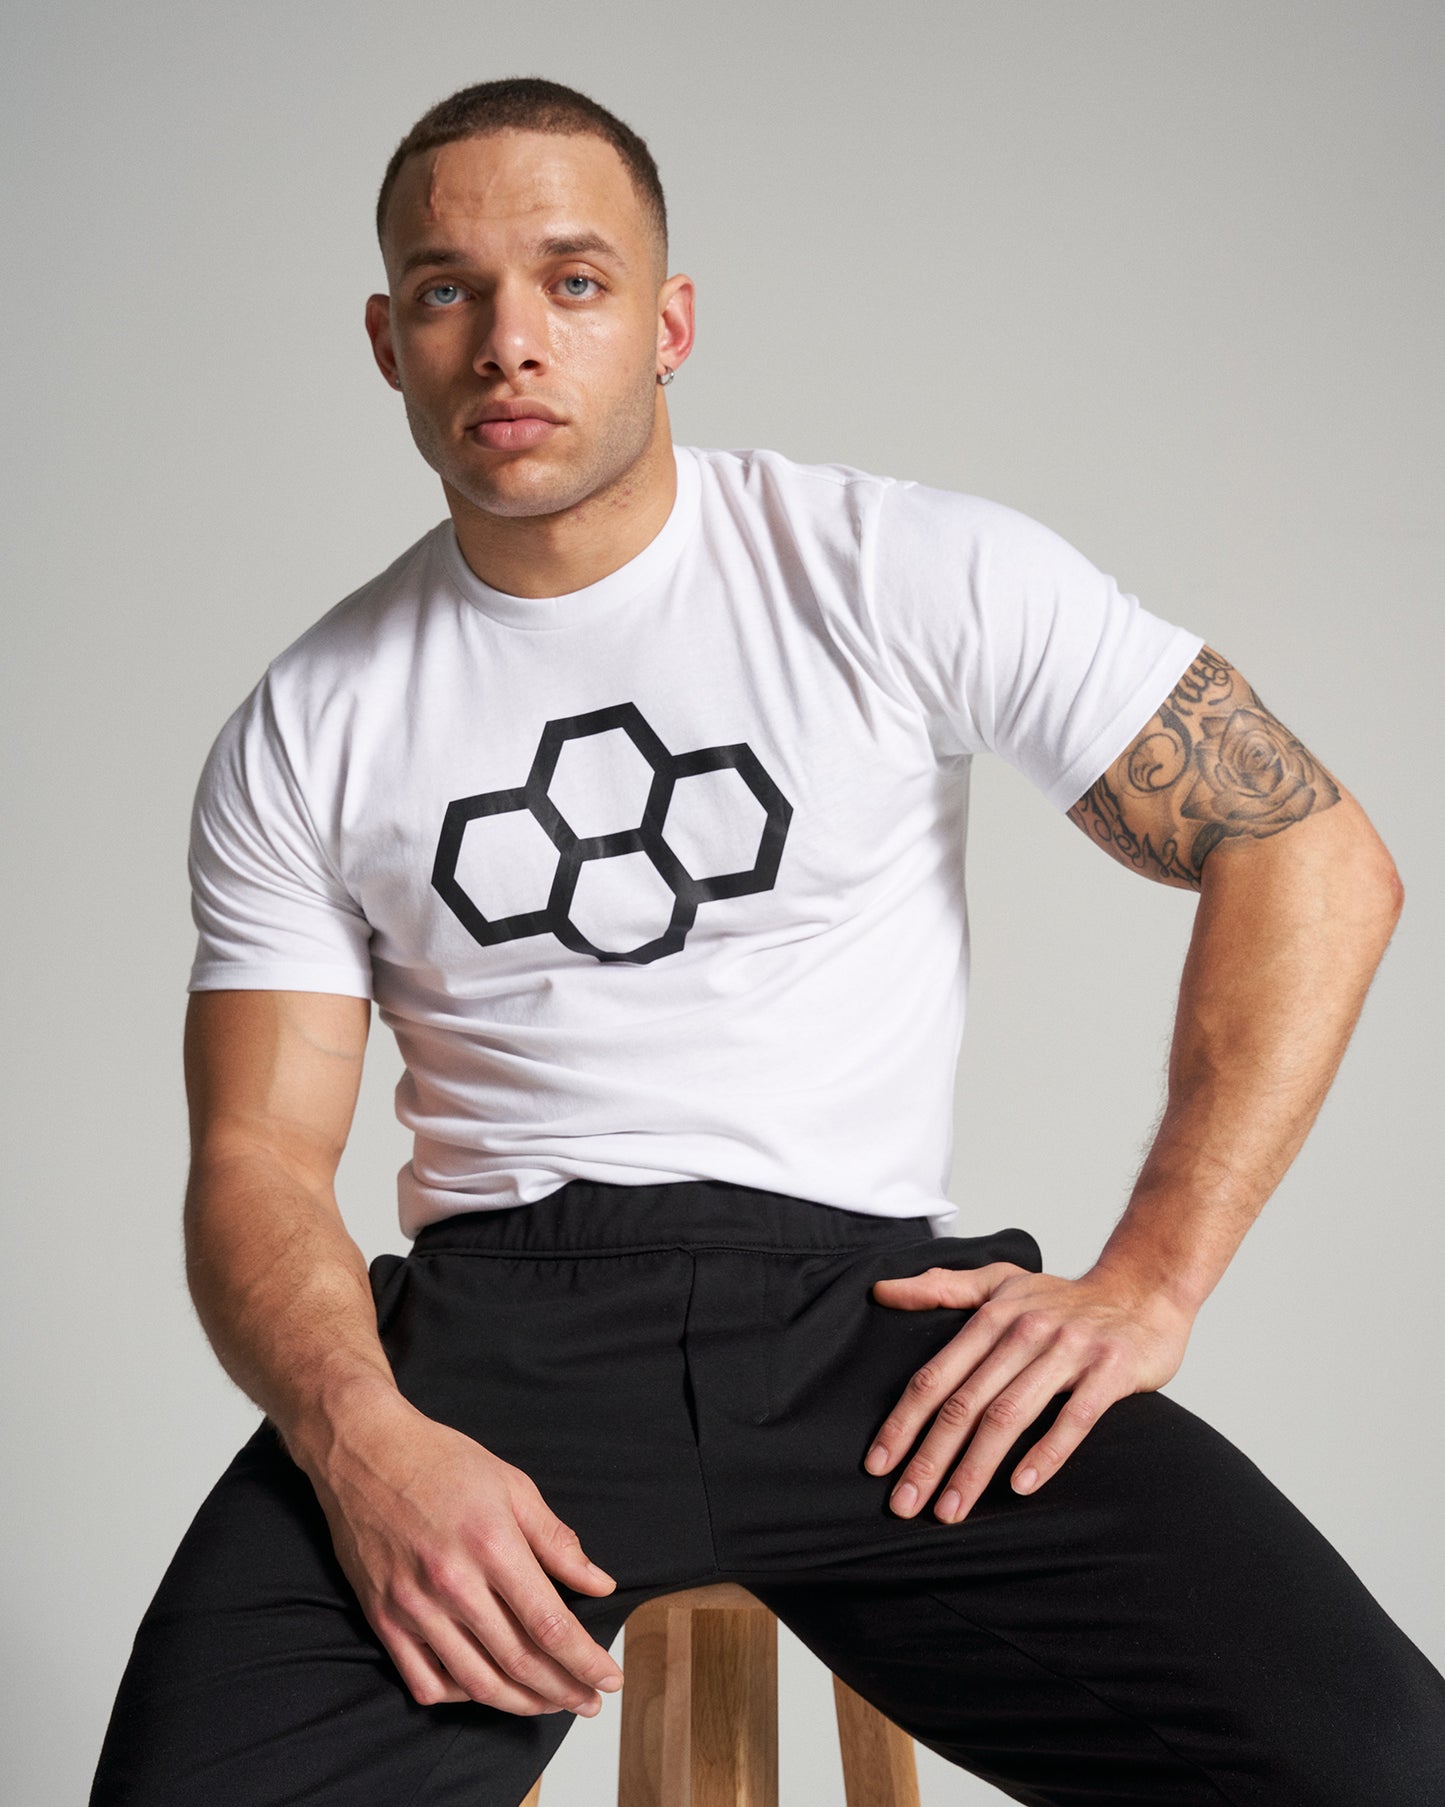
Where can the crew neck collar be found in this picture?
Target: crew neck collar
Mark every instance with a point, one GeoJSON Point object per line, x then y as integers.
{"type": "Point", "coordinates": [640, 573]}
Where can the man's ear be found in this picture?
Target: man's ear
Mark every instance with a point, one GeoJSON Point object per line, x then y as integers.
{"type": "Point", "coordinates": [675, 323]}
{"type": "Point", "coordinates": [378, 330]}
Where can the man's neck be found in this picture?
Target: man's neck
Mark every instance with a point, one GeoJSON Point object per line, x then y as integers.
{"type": "Point", "coordinates": [551, 555]}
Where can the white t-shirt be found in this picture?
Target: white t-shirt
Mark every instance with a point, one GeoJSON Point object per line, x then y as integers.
{"type": "Point", "coordinates": [663, 879]}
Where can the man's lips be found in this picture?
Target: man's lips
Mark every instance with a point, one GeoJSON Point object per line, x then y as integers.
{"type": "Point", "coordinates": [512, 426]}
{"type": "Point", "coordinates": [514, 435]}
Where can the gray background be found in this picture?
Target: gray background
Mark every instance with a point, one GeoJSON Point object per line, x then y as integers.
{"type": "Point", "coordinates": [1166, 277]}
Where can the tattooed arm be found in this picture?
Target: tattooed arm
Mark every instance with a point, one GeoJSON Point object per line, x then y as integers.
{"type": "Point", "coordinates": [1211, 765]}
{"type": "Point", "coordinates": [1297, 901]}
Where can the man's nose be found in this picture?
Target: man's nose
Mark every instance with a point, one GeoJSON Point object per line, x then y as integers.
{"type": "Point", "coordinates": [515, 334]}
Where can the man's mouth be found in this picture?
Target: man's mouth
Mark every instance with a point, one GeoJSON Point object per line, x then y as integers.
{"type": "Point", "coordinates": [514, 435]}
{"type": "Point", "coordinates": [513, 426]}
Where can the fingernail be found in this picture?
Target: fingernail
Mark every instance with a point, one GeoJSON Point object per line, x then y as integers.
{"type": "Point", "coordinates": [601, 1574]}
{"type": "Point", "coordinates": [905, 1496]}
{"type": "Point", "coordinates": [949, 1504]}
{"type": "Point", "coordinates": [610, 1683]}
{"type": "Point", "coordinates": [876, 1460]}
{"type": "Point", "coordinates": [1027, 1481]}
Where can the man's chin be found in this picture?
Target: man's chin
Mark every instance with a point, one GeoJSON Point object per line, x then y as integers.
{"type": "Point", "coordinates": [520, 488]}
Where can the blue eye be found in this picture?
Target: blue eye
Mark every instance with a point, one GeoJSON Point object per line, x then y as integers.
{"type": "Point", "coordinates": [577, 294]}
{"type": "Point", "coordinates": [438, 287]}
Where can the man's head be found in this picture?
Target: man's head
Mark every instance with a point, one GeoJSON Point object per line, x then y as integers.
{"type": "Point", "coordinates": [530, 104]}
{"type": "Point", "coordinates": [524, 234]}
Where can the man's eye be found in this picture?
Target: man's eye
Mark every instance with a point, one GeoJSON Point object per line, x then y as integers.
{"type": "Point", "coordinates": [575, 293]}
{"type": "Point", "coordinates": [444, 289]}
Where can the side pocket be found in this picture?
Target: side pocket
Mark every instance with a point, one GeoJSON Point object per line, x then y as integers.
{"type": "Point", "coordinates": [978, 1251]}
{"type": "Point", "coordinates": [1027, 1251]}
{"type": "Point", "coordinates": [388, 1274]}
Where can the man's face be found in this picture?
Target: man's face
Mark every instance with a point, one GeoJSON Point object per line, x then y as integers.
{"type": "Point", "coordinates": [524, 271]}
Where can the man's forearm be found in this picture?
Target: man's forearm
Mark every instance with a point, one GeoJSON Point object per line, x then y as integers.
{"type": "Point", "coordinates": [451, 1551]}
{"type": "Point", "coordinates": [1287, 937]}
{"type": "Point", "coordinates": [283, 1295]}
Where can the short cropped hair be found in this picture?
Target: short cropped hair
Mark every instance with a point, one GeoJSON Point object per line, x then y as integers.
{"type": "Point", "coordinates": [528, 103]}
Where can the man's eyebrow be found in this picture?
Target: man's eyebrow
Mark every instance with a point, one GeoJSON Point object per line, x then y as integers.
{"type": "Point", "coordinates": [577, 244]}
{"type": "Point", "coordinates": [581, 244]}
{"type": "Point", "coordinates": [431, 254]}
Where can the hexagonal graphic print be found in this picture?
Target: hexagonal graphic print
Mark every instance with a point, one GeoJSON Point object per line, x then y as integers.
{"type": "Point", "coordinates": [714, 822]}
{"type": "Point", "coordinates": [506, 864]}
{"type": "Point", "coordinates": [601, 783]}
{"type": "Point", "coordinates": [621, 903]}
{"type": "Point", "coordinates": [630, 839]}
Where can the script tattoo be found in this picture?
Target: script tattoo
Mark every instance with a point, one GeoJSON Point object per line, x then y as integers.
{"type": "Point", "coordinates": [1214, 763]}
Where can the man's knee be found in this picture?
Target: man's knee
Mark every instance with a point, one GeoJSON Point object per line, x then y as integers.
{"type": "Point", "coordinates": [1393, 1752]}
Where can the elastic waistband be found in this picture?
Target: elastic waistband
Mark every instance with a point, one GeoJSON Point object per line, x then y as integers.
{"type": "Point", "coordinates": [587, 1216]}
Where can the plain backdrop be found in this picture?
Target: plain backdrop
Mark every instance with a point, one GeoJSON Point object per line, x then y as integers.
{"type": "Point", "coordinates": [1166, 277]}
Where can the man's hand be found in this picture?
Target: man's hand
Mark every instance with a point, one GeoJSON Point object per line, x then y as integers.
{"type": "Point", "coordinates": [448, 1548]}
{"type": "Point", "coordinates": [443, 1542]}
{"type": "Point", "coordinates": [1297, 900]}
{"type": "Point", "coordinates": [1031, 1337]}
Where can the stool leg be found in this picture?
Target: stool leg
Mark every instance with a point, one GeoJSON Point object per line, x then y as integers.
{"type": "Point", "coordinates": [879, 1768]}
{"type": "Point", "coordinates": [734, 1716]}
{"type": "Point", "coordinates": [644, 1705]}
{"type": "Point", "coordinates": [700, 1707]}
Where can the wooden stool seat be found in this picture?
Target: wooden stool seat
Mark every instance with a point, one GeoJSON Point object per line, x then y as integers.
{"type": "Point", "coordinates": [700, 1712]}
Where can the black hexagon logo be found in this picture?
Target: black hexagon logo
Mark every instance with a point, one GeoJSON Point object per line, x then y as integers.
{"type": "Point", "coordinates": [738, 822]}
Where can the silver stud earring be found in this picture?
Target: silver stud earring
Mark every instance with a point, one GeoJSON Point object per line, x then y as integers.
{"type": "Point", "coordinates": [666, 376]}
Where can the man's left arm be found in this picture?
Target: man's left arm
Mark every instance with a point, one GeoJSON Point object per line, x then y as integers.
{"type": "Point", "coordinates": [1298, 898]}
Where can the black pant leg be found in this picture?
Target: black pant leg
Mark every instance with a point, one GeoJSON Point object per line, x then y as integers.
{"type": "Point", "coordinates": [255, 1678]}
{"type": "Point", "coordinates": [1157, 1624]}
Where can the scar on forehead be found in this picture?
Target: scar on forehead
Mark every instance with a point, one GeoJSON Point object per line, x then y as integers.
{"type": "Point", "coordinates": [540, 181]}
{"type": "Point", "coordinates": [446, 188]}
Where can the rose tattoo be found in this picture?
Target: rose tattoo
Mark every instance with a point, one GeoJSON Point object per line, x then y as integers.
{"type": "Point", "coordinates": [1213, 763]}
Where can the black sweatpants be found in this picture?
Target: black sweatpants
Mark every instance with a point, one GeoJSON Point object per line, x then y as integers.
{"type": "Point", "coordinates": [692, 1373]}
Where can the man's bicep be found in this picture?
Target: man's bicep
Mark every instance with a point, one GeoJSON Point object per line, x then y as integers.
{"type": "Point", "coordinates": [1212, 764]}
{"type": "Point", "coordinates": [274, 1071]}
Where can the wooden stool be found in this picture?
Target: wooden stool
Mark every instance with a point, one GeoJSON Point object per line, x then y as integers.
{"type": "Point", "coordinates": [700, 1712]}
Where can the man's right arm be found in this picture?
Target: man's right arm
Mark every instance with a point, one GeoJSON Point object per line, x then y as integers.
{"type": "Point", "coordinates": [446, 1545]}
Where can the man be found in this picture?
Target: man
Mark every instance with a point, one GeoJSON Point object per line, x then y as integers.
{"type": "Point", "coordinates": [635, 795]}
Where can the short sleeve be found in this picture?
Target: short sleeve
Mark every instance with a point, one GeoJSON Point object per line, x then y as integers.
{"type": "Point", "coordinates": [1010, 640]}
{"type": "Point", "coordinates": [270, 911]}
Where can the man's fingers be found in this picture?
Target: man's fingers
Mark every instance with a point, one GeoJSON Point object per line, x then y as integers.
{"type": "Point", "coordinates": [558, 1547]}
{"type": "Point", "coordinates": [957, 1417]}
{"type": "Point", "coordinates": [1005, 1419]}
{"type": "Point", "coordinates": [544, 1646]}
{"type": "Point", "coordinates": [1032, 1337]}
{"type": "Point", "coordinates": [427, 1680]}
{"type": "Point", "coordinates": [445, 1551]}
{"type": "Point", "coordinates": [539, 1648]}
{"type": "Point", "coordinates": [1077, 1417]}
{"type": "Point", "coordinates": [936, 1286]}
{"type": "Point", "coordinates": [483, 1678]}
{"type": "Point", "coordinates": [962, 1365]}
{"type": "Point", "coordinates": [541, 1612]}
{"type": "Point", "coordinates": [453, 1644]}
{"type": "Point", "coordinates": [1003, 1422]}
{"type": "Point", "coordinates": [507, 1671]}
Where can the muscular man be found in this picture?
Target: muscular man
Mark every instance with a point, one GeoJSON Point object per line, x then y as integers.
{"type": "Point", "coordinates": [634, 793]}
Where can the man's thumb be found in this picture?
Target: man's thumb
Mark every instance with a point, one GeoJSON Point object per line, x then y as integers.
{"type": "Point", "coordinates": [595, 1578]}
{"type": "Point", "coordinates": [565, 1555]}
{"type": "Point", "coordinates": [938, 1286]}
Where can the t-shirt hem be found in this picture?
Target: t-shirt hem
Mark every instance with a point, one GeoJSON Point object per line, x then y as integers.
{"type": "Point", "coordinates": [338, 981]}
{"type": "Point", "coordinates": [1110, 742]}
